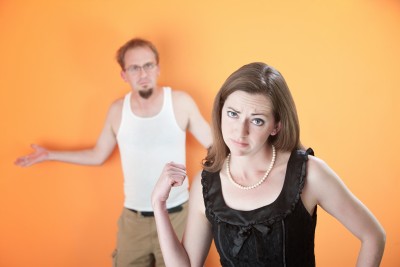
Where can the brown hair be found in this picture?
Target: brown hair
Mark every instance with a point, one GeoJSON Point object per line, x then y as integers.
{"type": "Point", "coordinates": [256, 78]}
{"type": "Point", "coordinates": [133, 43]}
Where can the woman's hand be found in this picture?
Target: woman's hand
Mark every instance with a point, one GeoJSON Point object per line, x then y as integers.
{"type": "Point", "coordinates": [172, 175]}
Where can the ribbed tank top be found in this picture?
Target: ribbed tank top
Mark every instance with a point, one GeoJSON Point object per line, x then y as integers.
{"type": "Point", "coordinates": [146, 144]}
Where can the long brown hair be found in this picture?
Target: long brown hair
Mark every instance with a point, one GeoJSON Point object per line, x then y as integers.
{"type": "Point", "coordinates": [256, 78]}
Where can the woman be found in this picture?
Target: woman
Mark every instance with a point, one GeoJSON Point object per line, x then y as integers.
{"type": "Point", "coordinates": [258, 194]}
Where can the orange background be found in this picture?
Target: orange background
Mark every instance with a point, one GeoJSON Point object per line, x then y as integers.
{"type": "Point", "coordinates": [341, 60]}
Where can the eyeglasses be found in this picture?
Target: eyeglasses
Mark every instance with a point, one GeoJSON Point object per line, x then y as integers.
{"type": "Point", "coordinates": [135, 69]}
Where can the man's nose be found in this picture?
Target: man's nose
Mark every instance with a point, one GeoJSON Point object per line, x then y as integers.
{"type": "Point", "coordinates": [142, 72]}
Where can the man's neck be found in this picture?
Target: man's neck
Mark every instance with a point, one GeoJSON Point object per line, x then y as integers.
{"type": "Point", "coordinates": [147, 107]}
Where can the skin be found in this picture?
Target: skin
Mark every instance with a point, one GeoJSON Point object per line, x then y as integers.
{"type": "Point", "coordinates": [186, 113]}
{"type": "Point", "coordinates": [247, 123]}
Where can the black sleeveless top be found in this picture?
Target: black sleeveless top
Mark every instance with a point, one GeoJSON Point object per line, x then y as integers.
{"type": "Point", "coordinates": [279, 234]}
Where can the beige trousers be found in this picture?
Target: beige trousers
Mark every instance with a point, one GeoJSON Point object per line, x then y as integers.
{"type": "Point", "coordinates": [137, 241]}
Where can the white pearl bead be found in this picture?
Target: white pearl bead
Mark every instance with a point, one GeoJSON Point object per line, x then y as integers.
{"type": "Point", "coordinates": [228, 172]}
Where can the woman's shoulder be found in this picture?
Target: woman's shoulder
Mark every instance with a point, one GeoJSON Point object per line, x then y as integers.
{"type": "Point", "coordinates": [317, 166]}
{"type": "Point", "coordinates": [320, 181]}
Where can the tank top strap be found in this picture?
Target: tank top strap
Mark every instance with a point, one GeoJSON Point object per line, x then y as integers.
{"type": "Point", "coordinates": [126, 109]}
{"type": "Point", "coordinates": [167, 106]}
{"type": "Point", "coordinates": [126, 106]}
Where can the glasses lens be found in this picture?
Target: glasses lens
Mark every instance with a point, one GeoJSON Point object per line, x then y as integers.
{"type": "Point", "coordinates": [134, 69]}
{"type": "Point", "coordinates": [148, 66]}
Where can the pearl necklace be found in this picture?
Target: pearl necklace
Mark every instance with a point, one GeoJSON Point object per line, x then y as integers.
{"type": "Point", "coordinates": [228, 172]}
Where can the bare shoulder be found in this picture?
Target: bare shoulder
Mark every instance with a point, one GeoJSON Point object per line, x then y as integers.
{"type": "Point", "coordinates": [185, 109]}
{"type": "Point", "coordinates": [182, 99]}
{"type": "Point", "coordinates": [318, 174]}
{"type": "Point", "coordinates": [322, 182]}
{"type": "Point", "coordinates": [117, 103]}
{"type": "Point", "coordinates": [116, 106]}
{"type": "Point", "coordinates": [318, 169]}
{"type": "Point", "coordinates": [179, 93]}
{"type": "Point", "coordinates": [115, 114]}
{"type": "Point", "coordinates": [316, 164]}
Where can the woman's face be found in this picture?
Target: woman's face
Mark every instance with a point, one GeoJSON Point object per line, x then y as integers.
{"type": "Point", "coordinates": [246, 122]}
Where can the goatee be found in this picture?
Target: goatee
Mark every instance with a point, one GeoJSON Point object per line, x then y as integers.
{"type": "Point", "coordinates": [146, 94]}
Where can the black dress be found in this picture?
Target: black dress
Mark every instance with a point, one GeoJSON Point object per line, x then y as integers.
{"type": "Point", "coordinates": [279, 234]}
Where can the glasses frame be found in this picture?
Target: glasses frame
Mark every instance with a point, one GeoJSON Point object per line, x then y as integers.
{"type": "Point", "coordinates": [136, 69]}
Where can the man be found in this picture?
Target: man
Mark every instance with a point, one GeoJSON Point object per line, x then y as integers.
{"type": "Point", "coordinates": [149, 125]}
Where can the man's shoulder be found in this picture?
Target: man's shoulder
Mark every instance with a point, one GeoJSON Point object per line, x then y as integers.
{"type": "Point", "coordinates": [179, 96]}
{"type": "Point", "coordinates": [178, 93]}
{"type": "Point", "coordinates": [118, 102]}
{"type": "Point", "coordinates": [116, 105]}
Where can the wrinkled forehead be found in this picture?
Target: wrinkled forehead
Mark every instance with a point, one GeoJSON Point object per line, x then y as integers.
{"type": "Point", "coordinates": [252, 103]}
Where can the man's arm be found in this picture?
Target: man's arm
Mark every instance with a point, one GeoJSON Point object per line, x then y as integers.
{"type": "Point", "coordinates": [91, 156]}
{"type": "Point", "coordinates": [194, 121]}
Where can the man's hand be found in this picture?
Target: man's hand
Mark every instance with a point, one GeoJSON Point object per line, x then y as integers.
{"type": "Point", "coordinates": [40, 154]}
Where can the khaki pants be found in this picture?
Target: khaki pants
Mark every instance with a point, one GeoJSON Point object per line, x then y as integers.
{"type": "Point", "coordinates": [137, 241]}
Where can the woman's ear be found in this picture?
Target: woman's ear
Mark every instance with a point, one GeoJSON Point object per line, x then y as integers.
{"type": "Point", "coordinates": [276, 129]}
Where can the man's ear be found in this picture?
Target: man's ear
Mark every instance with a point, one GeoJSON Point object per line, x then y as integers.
{"type": "Point", "coordinates": [158, 70]}
{"type": "Point", "coordinates": [123, 75]}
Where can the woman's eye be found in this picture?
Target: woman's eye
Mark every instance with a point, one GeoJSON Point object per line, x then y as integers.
{"type": "Point", "coordinates": [231, 114]}
{"type": "Point", "coordinates": [258, 122]}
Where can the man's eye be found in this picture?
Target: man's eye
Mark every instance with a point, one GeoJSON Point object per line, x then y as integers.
{"type": "Point", "coordinates": [148, 66]}
{"type": "Point", "coordinates": [133, 68]}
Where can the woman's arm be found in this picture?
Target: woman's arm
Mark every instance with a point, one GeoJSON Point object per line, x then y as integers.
{"type": "Point", "coordinates": [197, 237]}
{"type": "Point", "coordinates": [325, 188]}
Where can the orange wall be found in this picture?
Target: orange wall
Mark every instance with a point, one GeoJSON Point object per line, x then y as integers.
{"type": "Point", "coordinates": [58, 77]}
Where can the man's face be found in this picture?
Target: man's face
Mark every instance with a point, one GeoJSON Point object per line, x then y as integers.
{"type": "Point", "coordinates": [141, 70]}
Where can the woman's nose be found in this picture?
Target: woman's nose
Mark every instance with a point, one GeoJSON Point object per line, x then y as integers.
{"type": "Point", "coordinates": [243, 128]}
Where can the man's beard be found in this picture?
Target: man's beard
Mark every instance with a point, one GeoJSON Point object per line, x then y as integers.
{"type": "Point", "coordinates": [146, 94]}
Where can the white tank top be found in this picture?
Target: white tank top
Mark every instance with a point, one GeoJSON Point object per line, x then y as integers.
{"type": "Point", "coordinates": [146, 144]}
